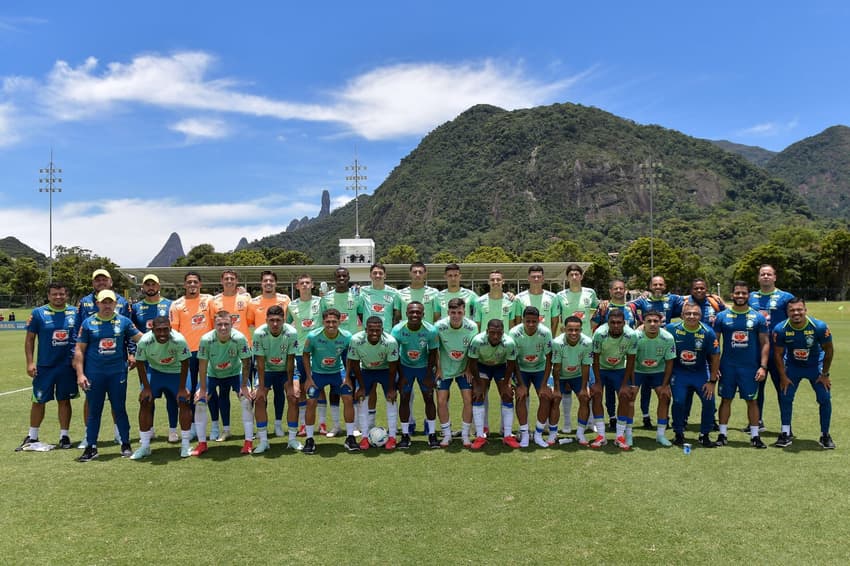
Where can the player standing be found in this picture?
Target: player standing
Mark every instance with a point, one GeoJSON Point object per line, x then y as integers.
{"type": "Point", "coordinates": [454, 333]}
{"type": "Point", "coordinates": [656, 352]}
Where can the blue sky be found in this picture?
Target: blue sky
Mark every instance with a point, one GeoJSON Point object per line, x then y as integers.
{"type": "Point", "coordinates": [219, 120]}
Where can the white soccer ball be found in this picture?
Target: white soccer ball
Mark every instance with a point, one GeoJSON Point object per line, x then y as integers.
{"type": "Point", "coordinates": [378, 436]}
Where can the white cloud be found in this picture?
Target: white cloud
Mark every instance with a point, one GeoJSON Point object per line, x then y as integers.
{"type": "Point", "coordinates": [201, 128]}
{"type": "Point", "coordinates": [8, 132]}
{"type": "Point", "coordinates": [386, 102]}
{"type": "Point", "coordinates": [768, 129]}
{"type": "Point", "coordinates": [103, 226]}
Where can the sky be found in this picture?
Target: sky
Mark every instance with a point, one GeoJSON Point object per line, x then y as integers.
{"type": "Point", "coordinates": [222, 120]}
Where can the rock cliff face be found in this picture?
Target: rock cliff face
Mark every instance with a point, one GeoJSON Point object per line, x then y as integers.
{"type": "Point", "coordinates": [170, 252]}
{"type": "Point", "coordinates": [325, 210]}
{"type": "Point", "coordinates": [243, 243]}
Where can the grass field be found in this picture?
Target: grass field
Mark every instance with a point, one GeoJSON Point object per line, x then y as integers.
{"type": "Point", "coordinates": [560, 505]}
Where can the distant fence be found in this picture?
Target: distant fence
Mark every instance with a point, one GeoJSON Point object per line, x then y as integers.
{"type": "Point", "coordinates": [13, 325]}
{"type": "Point", "coordinates": [16, 301]}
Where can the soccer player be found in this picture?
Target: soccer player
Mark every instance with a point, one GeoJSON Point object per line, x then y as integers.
{"type": "Point", "coordinates": [223, 357]}
{"type": "Point", "coordinates": [656, 352]}
{"type": "Point", "coordinates": [162, 362]}
{"type": "Point", "coordinates": [190, 316]}
{"type": "Point", "coordinates": [268, 298]}
{"type": "Point", "coordinates": [772, 304]}
{"type": "Point", "coordinates": [420, 292]}
{"type": "Point", "coordinates": [614, 352]}
{"type": "Point", "coordinates": [696, 367]}
{"type": "Point", "coordinates": [454, 333]}
{"type": "Point", "coordinates": [453, 290]}
{"type": "Point", "coordinates": [580, 302]}
{"type": "Point", "coordinates": [546, 302]}
{"type": "Point", "coordinates": [533, 341]}
{"type": "Point", "coordinates": [305, 315]}
{"type": "Point", "coordinates": [100, 360]}
{"type": "Point", "coordinates": [418, 346]}
{"type": "Point", "coordinates": [492, 356]}
{"type": "Point", "coordinates": [275, 347]}
{"type": "Point", "coordinates": [54, 327]}
{"type": "Point", "coordinates": [142, 314]}
{"type": "Point", "coordinates": [710, 303]}
{"type": "Point", "coordinates": [373, 359]}
{"type": "Point", "coordinates": [324, 365]}
{"type": "Point", "coordinates": [743, 361]}
{"type": "Point", "coordinates": [572, 358]}
{"type": "Point", "coordinates": [802, 349]}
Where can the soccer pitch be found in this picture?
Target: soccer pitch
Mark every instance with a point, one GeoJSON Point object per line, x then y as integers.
{"type": "Point", "coordinates": [559, 505]}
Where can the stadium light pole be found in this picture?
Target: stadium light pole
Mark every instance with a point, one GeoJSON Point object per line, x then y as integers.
{"type": "Point", "coordinates": [50, 184]}
{"type": "Point", "coordinates": [356, 177]}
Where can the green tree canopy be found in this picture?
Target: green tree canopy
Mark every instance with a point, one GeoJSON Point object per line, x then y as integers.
{"type": "Point", "coordinates": [400, 253]}
{"type": "Point", "coordinates": [490, 254]}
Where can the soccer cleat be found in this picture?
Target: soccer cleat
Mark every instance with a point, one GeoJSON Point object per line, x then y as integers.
{"type": "Point", "coordinates": [323, 429]}
{"type": "Point", "coordinates": [351, 444]}
{"type": "Point", "coordinates": [756, 442]}
{"type": "Point", "coordinates": [223, 436]}
{"type": "Point", "coordinates": [679, 439]}
{"type": "Point", "coordinates": [612, 423]}
{"type": "Point", "coordinates": [705, 441]}
{"type": "Point", "coordinates": [215, 431]}
{"type": "Point", "coordinates": [444, 443]}
{"type": "Point", "coordinates": [309, 446]}
{"type": "Point", "coordinates": [404, 443]}
{"type": "Point", "coordinates": [364, 443]}
{"type": "Point", "coordinates": [486, 430]}
{"type": "Point", "coordinates": [185, 451]}
{"type": "Point", "coordinates": [65, 443]}
{"type": "Point", "coordinates": [141, 452]}
{"type": "Point", "coordinates": [89, 454]}
{"type": "Point", "coordinates": [662, 440]}
{"type": "Point", "coordinates": [583, 441]}
{"type": "Point", "coordinates": [630, 439]}
{"type": "Point", "coordinates": [126, 450]}
{"type": "Point", "coordinates": [26, 442]}
{"type": "Point", "coordinates": [261, 447]}
{"type": "Point", "coordinates": [457, 433]}
{"type": "Point", "coordinates": [302, 431]}
{"type": "Point", "coordinates": [540, 441]}
{"type": "Point", "coordinates": [247, 447]}
{"type": "Point", "coordinates": [510, 441]}
{"type": "Point", "coordinates": [432, 441]}
{"type": "Point", "coordinates": [478, 443]}
{"type": "Point", "coordinates": [647, 423]}
{"type": "Point", "coordinates": [200, 449]}
{"type": "Point", "coordinates": [295, 445]}
{"type": "Point", "coordinates": [523, 441]}
{"type": "Point", "coordinates": [599, 442]}
{"type": "Point", "coordinates": [620, 442]}
{"type": "Point", "coordinates": [333, 432]}
{"type": "Point", "coordinates": [357, 432]}
{"type": "Point", "coordinates": [715, 427]}
{"type": "Point", "coordinates": [173, 437]}
{"type": "Point", "coordinates": [826, 442]}
{"type": "Point", "coordinates": [721, 440]}
{"type": "Point", "coordinates": [391, 443]}
{"type": "Point", "coordinates": [783, 441]}
{"type": "Point", "coordinates": [278, 430]}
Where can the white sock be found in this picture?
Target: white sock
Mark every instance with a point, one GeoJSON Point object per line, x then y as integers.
{"type": "Point", "coordinates": [566, 410]}
{"type": "Point", "coordinates": [201, 421]}
{"type": "Point", "coordinates": [145, 438]}
{"type": "Point", "coordinates": [263, 434]}
{"type": "Point", "coordinates": [392, 418]}
{"type": "Point", "coordinates": [447, 429]}
{"type": "Point", "coordinates": [754, 431]}
{"type": "Point", "coordinates": [185, 438]}
{"type": "Point", "coordinates": [310, 430]}
{"type": "Point", "coordinates": [464, 432]}
{"type": "Point", "coordinates": [621, 428]}
{"type": "Point", "coordinates": [507, 420]}
{"type": "Point", "coordinates": [172, 430]}
{"type": "Point", "coordinates": [335, 415]}
{"type": "Point", "coordinates": [486, 413]}
{"type": "Point", "coordinates": [432, 426]}
{"type": "Point", "coordinates": [248, 418]}
{"type": "Point", "coordinates": [661, 428]}
{"type": "Point", "coordinates": [786, 429]}
{"type": "Point", "coordinates": [63, 432]}
{"type": "Point", "coordinates": [405, 428]}
{"type": "Point", "coordinates": [278, 424]}
{"type": "Point", "coordinates": [364, 416]}
{"type": "Point", "coordinates": [349, 429]}
{"type": "Point", "coordinates": [33, 433]}
{"type": "Point", "coordinates": [412, 418]}
{"type": "Point", "coordinates": [117, 432]}
{"type": "Point", "coordinates": [322, 411]}
{"type": "Point", "coordinates": [724, 429]}
{"type": "Point", "coordinates": [302, 412]}
{"type": "Point", "coordinates": [478, 419]}
{"type": "Point", "coordinates": [373, 417]}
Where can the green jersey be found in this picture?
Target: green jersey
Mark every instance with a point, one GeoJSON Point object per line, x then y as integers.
{"type": "Point", "coordinates": [373, 356]}
{"type": "Point", "coordinates": [304, 316]}
{"type": "Point", "coordinates": [467, 295]}
{"type": "Point", "coordinates": [579, 303]}
{"type": "Point", "coordinates": [223, 358]}
{"type": "Point", "coordinates": [546, 302]}
{"type": "Point", "coordinates": [653, 353]}
{"type": "Point", "coordinates": [614, 351]}
{"type": "Point", "coordinates": [275, 349]}
{"type": "Point", "coordinates": [532, 350]}
{"type": "Point", "coordinates": [326, 353]}
{"type": "Point", "coordinates": [428, 296]}
{"type": "Point", "coordinates": [348, 304]}
{"type": "Point", "coordinates": [487, 309]}
{"type": "Point", "coordinates": [453, 345]}
{"type": "Point", "coordinates": [164, 358]}
{"type": "Point", "coordinates": [572, 357]}
{"type": "Point", "coordinates": [415, 345]}
{"type": "Point", "coordinates": [486, 353]}
{"type": "Point", "coordinates": [380, 303]}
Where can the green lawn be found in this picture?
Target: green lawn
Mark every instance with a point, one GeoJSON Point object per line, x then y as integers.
{"type": "Point", "coordinates": [568, 504]}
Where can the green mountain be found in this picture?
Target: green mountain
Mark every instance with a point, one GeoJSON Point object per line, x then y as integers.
{"type": "Point", "coordinates": [523, 179]}
{"type": "Point", "coordinates": [15, 248]}
{"type": "Point", "coordinates": [819, 167]}
{"type": "Point", "coordinates": [752, 153]}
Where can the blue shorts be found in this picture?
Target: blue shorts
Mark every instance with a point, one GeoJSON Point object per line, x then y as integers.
{"type": "Point", "coordinates": [164, 384]}
{"type": "Point", "coordinates": [738, 378]}
{"type": "Point", "coordinates": [275, 379]}
{"type": "Point", "coordinates": [54, 382]}
{"type": "Point", "coordinates": [412, 375]}
{"type": "Point", "coordinates": [649, 379]}
{"type": "Point", "coordinates": [496, 373]}
{"type": "Point", "coordinates": [535, 378]}
{"type": "Point", "coordinates": [573, 382]}
{"type": "Point", "coordinates": [446, 383]}
{"type": "Point", "coordinates": [612, 378]}
{"type": "Point", "coordinates": [322, 380]}
{"type": "Point", "coordinates": [224, 383]}
{"type": "Point", "coordinates": [371, 377]}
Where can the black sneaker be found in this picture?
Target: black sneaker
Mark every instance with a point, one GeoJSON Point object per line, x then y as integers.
{"type": "Point", "coordinates": [826, 442]}
{"type": "Point", "coordinates": [647, 424]}
{"type": "Point", "coordinates": [432, 441]}
{"type": "Point", "coordinates": [783, 441]}
{"type": "Point", "coordinates": [612, 423]}
{"type": "Point", "coordinates": [705, 441]}
{"type": "Point", "coordinates": [679, 439]}
{"type": "Point", "coordinates": [715, 427]}
{"type": "Point", "coordinates": [350, 444]}
{"type": "Point", "coordinates": [65, 443]}
{"type": "Point", "coordinates": [721, 440]}
{"type": "Point", "coordinates": [310, 445]}
{"type": "Point", "coordinates": [89, 454]}
{"type": "Point", "coordinates": [756, 442]}
{"type": "Point", "coordinates": [26, 442]}
{"type": "Point", "coordinates": [126, 450]}
{"type": "Point", "coordinates": [404, 443]}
